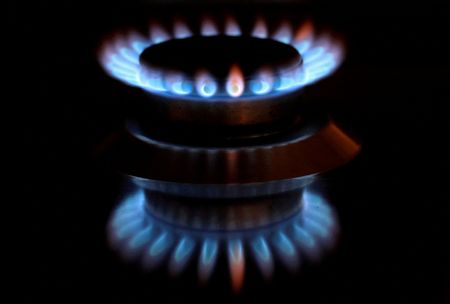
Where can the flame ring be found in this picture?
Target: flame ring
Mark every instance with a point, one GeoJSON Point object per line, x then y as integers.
{"type": "Point", "coordinates": [321, 55]}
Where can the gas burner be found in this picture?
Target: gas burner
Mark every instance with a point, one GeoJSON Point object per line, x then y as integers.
{"type": "Point", "coordinates": [223, 158]}
{"type": "Point", "coordinates": [222, 64]}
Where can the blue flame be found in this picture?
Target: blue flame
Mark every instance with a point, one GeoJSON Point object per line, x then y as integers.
{"type": "Point", "coordinates": [139, 45]}
{"type": "Point", "coordinates": [260, 30]}
{"type": "Point", "coordinates": [303, 237]}
{"type": "Point", "coordinates": [208, 258]}
{"type": "Point", "coordinates": [184, 250]}
{"type": "Point", "coordinates": [158, 34]}
{"type": "Point", "coordinates": [138, 235]}
{"type": "Point", "coordinates": [182, 254]}
{"type": "Point", "coordinates": [284, 33]}
{"type": "Point", "coordinates": [263, 256]}
{"type": "Point", "coordinates": [321, 57]}
{"type": "Point", "coordinates": [205, 84]}
{"type": "Point", "coordinates": [178, 84]}
{"type": "Point", "coordinates": [260, 87]}
{"type": "Point", "coordinates": [286, 250]}
{"type": "Point", "coordinates": [160, 245]}
{"type": "Point", "coordinates": [232, 27]}
{"type": "Point", "coordinates": [181, 30]}
{"type": "Point", "coordinates": [209, 28]}
{"type": "Point", "coordinates": [302, 46]}
{"type": "Point", "coordinates": [263, 83]}
{"type": "Point", "coordinates": [152, 80]}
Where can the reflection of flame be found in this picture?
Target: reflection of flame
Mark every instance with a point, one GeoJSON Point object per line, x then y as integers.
{"type": "Point", "coordinates": [285, 249]}
{"type": "Point", "coordinates": [237, 264]}
{"type": "Point", "coordinates": [208, 257]}
{"type": "Point", "coordinates": [182, 254]}
{"type": "Point", "coordinates": [321, 56]}
{"type": "Point", "coordinates": [139, 235]}
{"type": "Point", "coordinates": [235, 82]}
{"type": "Point", "coordinates": [263, 256]}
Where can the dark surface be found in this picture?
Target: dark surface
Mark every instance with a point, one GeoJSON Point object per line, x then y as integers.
{"type": "Point", "coordinates": [218, 54]}
{"type": "Point", "coordinates": [392, 93]}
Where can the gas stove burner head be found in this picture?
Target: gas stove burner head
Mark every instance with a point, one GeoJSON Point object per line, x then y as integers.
{"type": "Point", "coordinates": [222, 64]}
{"type": "Point", "coordinates": [222, 155]}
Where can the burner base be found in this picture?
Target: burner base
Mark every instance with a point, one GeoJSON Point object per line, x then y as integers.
{"type": "Point", "coordinates": [306, 151]}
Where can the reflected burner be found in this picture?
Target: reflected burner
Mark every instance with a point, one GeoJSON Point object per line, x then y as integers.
{"type": "Point", "coordinates": [155, 239]}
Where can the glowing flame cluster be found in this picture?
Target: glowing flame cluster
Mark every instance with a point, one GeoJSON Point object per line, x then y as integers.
{"type": "Point", "coordinates": [140, 236]}
{"type": "Point", "coordinates": [321, 56]}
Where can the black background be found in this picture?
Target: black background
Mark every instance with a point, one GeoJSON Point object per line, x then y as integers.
{"type": "Point", "coordinates": [391, 94]}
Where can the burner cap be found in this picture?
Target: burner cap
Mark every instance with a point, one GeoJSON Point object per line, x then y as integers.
{"type": "Point", "coordinates": [217, 54]}
{"type": "Point", "coordinates": [221, 77]}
